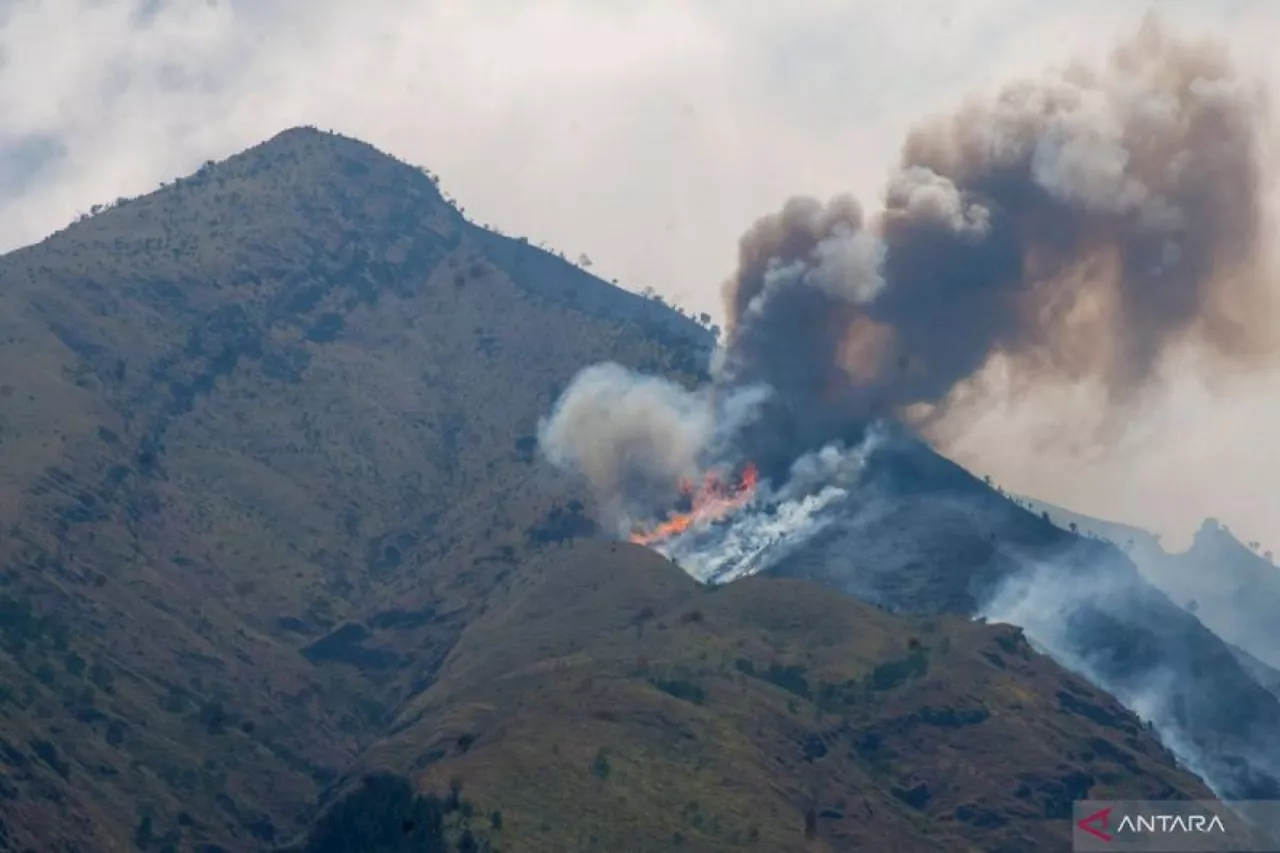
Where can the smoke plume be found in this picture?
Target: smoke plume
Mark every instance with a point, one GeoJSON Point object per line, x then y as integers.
{"type": "Point", "coordinates": [635, 438]}
{"type": "Point", "coordinates": [1078, 227]}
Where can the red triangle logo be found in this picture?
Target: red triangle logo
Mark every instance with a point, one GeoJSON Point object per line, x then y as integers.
{"type": "Point", "coordinates": [1096, 824]}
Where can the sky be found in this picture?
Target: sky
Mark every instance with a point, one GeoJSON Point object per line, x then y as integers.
{"type": "Point", "coordinates": [647, 136]}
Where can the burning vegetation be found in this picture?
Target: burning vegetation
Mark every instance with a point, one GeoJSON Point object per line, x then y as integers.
{"type": "Point", "coordinates": [710, 500]}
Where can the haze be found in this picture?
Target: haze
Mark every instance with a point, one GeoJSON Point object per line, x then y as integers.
{"type": "Point", "coordinates": [647, 136]}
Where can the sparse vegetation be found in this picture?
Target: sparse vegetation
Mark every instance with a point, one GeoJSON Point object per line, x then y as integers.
{"type": "Point", "coordinates": [895, 673]}
{"type": "Point", "coordinates": [881, 697]}
{"type": "Point", "coordinates": [600, 766]}
{"type": "Point", "coordinates": [386, 815]}
{"type": "Point", "coordinates": [687, 691]}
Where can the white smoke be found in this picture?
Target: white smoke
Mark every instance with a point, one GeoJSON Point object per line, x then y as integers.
{"type": "Point", "coordinates": [848, 264]}
{"type": "Point", "coordinates": [634, 437]}
{"type": "Point", "coordinates": [776, 521]}
{"type": "Point", "coordinates": [918, 192]}
{"type": "Point", "coordinates": [1044, 600]}
{"type": "Point", "coordinates": [751, 543]}
{"type": "Point", "coordinates": [611, 419]}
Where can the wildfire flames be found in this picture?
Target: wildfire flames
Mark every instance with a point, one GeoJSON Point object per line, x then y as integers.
{"type": "Point", "coordinates": [710, 500]}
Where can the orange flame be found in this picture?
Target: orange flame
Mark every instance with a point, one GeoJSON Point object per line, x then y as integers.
{"type": "Point", "coordinates": [711, 501]}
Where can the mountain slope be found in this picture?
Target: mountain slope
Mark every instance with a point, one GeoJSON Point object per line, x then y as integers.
{"type": "Point", "coordinates": [605, 700]}
{"type": "Point", "coordinates": [921, 535]}
{"type": "Point", "coordinates": [264, 434]}
{"type": "Point", "coordinates": [1230, 587]}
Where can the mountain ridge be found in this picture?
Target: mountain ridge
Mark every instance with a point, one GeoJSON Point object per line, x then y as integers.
{"type": "Point", "coordinates": [1227, 584]}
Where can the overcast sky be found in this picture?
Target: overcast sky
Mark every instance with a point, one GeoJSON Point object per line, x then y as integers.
{"type": "Point", "coordinates": [647, 135]}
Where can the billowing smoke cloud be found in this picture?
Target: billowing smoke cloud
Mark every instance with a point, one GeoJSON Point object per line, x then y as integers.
{"type": "Point", "coordinates": [635, 438]}
{"type": "Point", "coordinates": [797, 307]}
{"type": "Point", "coordinates": [628, 433]}
{"type": "Point", "coordinates": [1078, 227]}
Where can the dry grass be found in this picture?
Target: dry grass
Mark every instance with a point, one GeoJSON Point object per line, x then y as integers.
{"type": "Point", "coordinates": [607, 702]}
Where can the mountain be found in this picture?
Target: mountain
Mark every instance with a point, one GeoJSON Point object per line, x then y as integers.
{"type": "Point", "coordinates": [1230, 587]}
{"type": "Point", "coordinates": [279, 561]}
{"type": "Point", "coordinates": [1267, 676]}
{"type": "Point", "coordinates": [922, 535]}
{"type": "Point", "coordinates": [264, 436]}
{"type": "Point", "coordinates": [1134, 541]}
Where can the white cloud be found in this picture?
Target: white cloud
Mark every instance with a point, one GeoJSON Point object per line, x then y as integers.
{"type": "Point", "coordinates": [648, 135]}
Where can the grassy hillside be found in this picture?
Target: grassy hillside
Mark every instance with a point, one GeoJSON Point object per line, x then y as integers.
{"type": "Point", "coordinates": [265, 438]}
{"type": "Point", "coordinates": [605, 701]}
{"type": "Point", "coordinates": [272, 518]}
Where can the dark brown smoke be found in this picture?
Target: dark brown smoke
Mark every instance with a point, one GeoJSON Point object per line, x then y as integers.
{"type": "Point", "coordinates": [1080, 226]}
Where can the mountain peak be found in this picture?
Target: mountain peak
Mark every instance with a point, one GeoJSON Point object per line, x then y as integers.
{"type": "Point", "coordinates": [1214, 534]}
{"type": "Point", "coordinates": [315, 167]}
{"type": "Point", "coordinates": [310, 145]}
{"type": "Point", "coordinates": [301, 194]}
{"type": "Point", "coordinates": [304, 133]}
